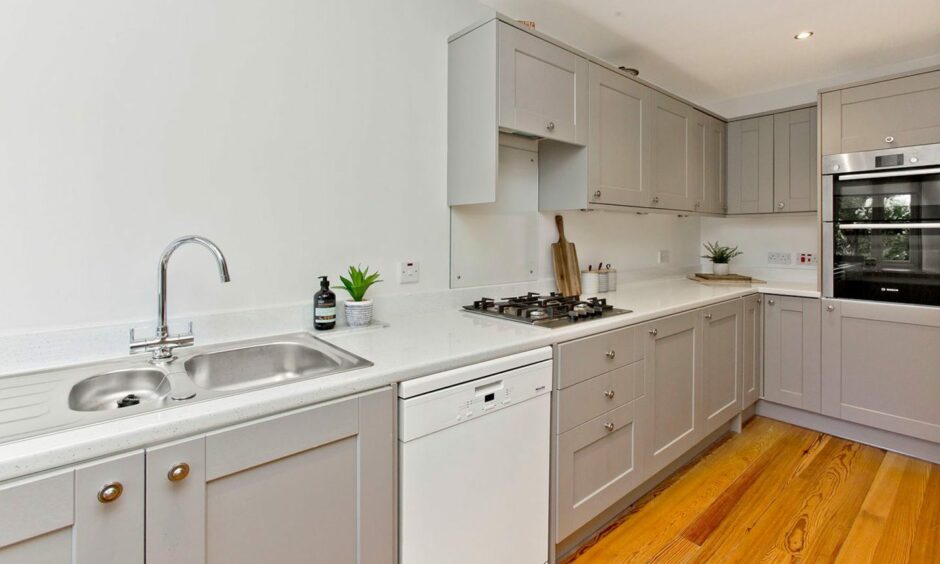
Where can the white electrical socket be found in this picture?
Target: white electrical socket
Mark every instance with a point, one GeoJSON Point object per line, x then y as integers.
{"type": "Point", "coordinates": [408, 272]}
{"type": "Point", "coordinates": [664, 256]}
{"type": "Point", "coordinates": [779, 257]}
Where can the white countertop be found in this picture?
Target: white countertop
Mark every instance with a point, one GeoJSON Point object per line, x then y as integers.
{"type": "Point", "coordinates": [407, 348]}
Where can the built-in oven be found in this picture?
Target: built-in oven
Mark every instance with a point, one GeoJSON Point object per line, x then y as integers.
{"type": "Point", "coordinates": [881, 225]}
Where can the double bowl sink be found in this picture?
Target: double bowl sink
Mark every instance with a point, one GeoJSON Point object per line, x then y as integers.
{"type": "Point", "coordinates": [209, 372]}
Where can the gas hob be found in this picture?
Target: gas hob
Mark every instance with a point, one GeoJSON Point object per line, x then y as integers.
{"type": "Point", "coordinates": [552, 310]}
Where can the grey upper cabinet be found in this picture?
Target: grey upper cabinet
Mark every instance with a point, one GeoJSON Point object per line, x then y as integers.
{"type": "Point", "coordinates": [671, 143]}
{"type": "Point", "coordinates": [792, 351]}
{"type": "Point", "coordinates": [722, 362]}
{"type": "Point", "coordinates": [795, 161]}
{"type": "Point", "coordinates": [880, 366]}
{"type": "Point", "coordinates": [542, 87]}
{"type": "Point", "coordinates": [696, 172]}
{"type": "Point", "coordinates": [93, 513]}
{"type": "Point", "coordinates": [674, 396]}
{"type": "Point", "coordinates": [751, 165]}
{"type": "Point", "coordinates": [716, 147]}
{"type": "Point", "coordinates": [880, 115]}
{"type": "Point", "coordinates": [753, 359]}
{"type": "Point", "coordinates": [319, 482]}
{"type": "Point", "coordinates": [618, 147]}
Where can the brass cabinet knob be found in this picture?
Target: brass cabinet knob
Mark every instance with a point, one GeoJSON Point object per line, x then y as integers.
{"type": "Point", "coordinates": [178, 472]}
{"type": "Point", "coordinates": [110, 492]}
{"type": "Point", "coordinates": [609, 394]}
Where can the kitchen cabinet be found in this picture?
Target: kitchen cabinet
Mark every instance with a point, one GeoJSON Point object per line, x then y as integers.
{"type": "Point", "coordinates": [792, 351]}
{"type": "Point", "coordinates": [722, 363]}
{"type": "Point", "coordinates": [795, 158]}
{"type": "Point", "coordinates": [319, 482]}
{"type": "Point", "coordinates": [90, 513]}
{"type": "Point", "coordinates": [880, 366]}
{"type": "Point", "coordinates": [670, 138]}
{"type": "Point", "coordinates": [618, 149]}
{"type": "Point", "coordinates": [751, 165]}
{"type": "Point", "coordinates": [674, 395]}
{"type": "Point", "coordinates": [695, 166]}
{"type": "Point", "coordinates": [884, 114]}
{"type": "Point", "coordinates": [752, 366]}
{"type": "Point", "coordinates": [503, 78]}
{"type": "Point", "coordinates": [716, 194]}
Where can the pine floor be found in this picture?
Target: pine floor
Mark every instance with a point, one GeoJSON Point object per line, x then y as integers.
{"type": "Point", "coordinates": [779, 493]}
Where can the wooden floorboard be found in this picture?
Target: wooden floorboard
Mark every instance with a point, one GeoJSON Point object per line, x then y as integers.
{"type": "Point", "coordinates": [780, 493]}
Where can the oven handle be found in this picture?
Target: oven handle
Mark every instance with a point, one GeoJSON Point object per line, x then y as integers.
{"type": "Point", "coordinates": [889, 173]}
{"type": "Point", "coordinates": [861, 226]}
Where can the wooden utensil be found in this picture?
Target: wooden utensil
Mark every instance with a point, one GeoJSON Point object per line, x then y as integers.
{"type": "Point", "coordinates": [565, 260]}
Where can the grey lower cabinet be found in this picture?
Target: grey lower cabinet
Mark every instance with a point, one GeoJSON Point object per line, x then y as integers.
{"type": "Point", "coordinates": [881, 366]}
{"type": "Point", "coordinates": [722, 363]}
{"type": "Point", "coordinates": [753, 359]}
{"type": "Point", "coordinates": [92, 513]}
{"type": "Point", "coordinates": [314, 485]}
{"type": "Point", "coordinates": [792, 351]}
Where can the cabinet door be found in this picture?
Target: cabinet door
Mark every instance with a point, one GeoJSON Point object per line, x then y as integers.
{"type": "Point", "coordinates": [91, 514]}
{"type": "Point", "coordinates": [599, 462]}
{"type": "Point", "coordinates": [880, 366]}
{"type": "Point", "coordinates": [891, 113]}
{"type": "Point", "coordinates": [716, 194]}
{"type": "Point", "coordinates": [619, 148]}
{"type": "Point", "coordinates": [795, 171]}
{"type": "Point", "coordinates": [319, 483]}
{"type": "Point", "coordinates": [698, 157]}
{"type": "Point", "coordinates": [751, 165]}
{"type": "Point", "coordinates": [674, 394]}
{"type": "Point", "coordinates": [792, 351]}
{"type": "Point", "coordinates": [670, 147]}
{"type": "Point", "coordinates": [542, 87]}
{"type": "Point", "coordinates": [753, 348]}
{"type": "Point", "coordinates": [722, 359]}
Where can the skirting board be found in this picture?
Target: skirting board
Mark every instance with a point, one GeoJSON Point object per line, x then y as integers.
{"type": "Point", "coordinates": [910, 446]}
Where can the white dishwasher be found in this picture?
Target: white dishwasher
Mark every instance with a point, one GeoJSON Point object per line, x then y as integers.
{"type": "Point", "coordinates": [474, 455]}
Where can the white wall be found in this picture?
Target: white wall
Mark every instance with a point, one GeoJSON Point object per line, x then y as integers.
{"type": "Point", "coordinates": [299, 135]}
{"type": "Point", "coordinates": [755, 236]}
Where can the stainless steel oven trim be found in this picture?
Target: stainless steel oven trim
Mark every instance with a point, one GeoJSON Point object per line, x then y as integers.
{"type": "Point", "coordinates": [827, 195]}
{"type": "Point", "coordinates": [863, 226]}
{"type": "Point", "coordinates": [827, 260]}
{"type": "Point", "coordinates": [864, 161]}
{"type": "Point", "coordinates": [889, 173]}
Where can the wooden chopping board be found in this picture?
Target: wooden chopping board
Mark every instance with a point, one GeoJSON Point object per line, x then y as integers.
{"type": "Point", "coordinates": [723, 279]}
{"type": "Point", "coordinates": [565, 259]}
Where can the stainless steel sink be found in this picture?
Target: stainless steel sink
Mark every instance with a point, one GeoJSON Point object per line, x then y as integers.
{"type": "Point", "coordinates": [268, 364]}
{"type": "Point", "coordinates": [119, 388]}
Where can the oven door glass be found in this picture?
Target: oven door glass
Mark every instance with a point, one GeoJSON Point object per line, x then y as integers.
{"type": "Point", "coordinates": [887, 197]}
{"type": "Point", "coordinates": [885, 262]}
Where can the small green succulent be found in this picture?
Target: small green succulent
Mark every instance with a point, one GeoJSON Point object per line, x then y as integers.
{"type": "Point", "coordinates": [358, 282]}
{"type": "Point", "coordinates": [719, 254]}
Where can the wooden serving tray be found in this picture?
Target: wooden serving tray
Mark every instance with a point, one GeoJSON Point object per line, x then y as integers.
{"type": "Point", "coordinates": [723, 279]}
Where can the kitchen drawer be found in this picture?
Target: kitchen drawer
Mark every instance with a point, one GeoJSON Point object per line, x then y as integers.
{"type": "Point", "coordinates": [592, 356]}
{"type": "Point", "coordinates": [597, 465]}
{"type": "Point", "coordinates": [591, 398]}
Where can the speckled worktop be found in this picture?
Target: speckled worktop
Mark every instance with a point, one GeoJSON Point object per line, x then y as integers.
{"type": "Point", "coordinates": [408, 347]}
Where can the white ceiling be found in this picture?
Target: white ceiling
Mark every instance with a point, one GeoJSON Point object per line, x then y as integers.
{"type": "Point", "coordinates": [739, 56]}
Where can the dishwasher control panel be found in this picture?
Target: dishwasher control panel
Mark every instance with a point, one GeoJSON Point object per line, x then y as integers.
{"type": "Point", "coordinates": [427, 413]}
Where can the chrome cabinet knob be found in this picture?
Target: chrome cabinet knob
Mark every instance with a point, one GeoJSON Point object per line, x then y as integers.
{"type": "Point", "coordinates": [760, 300]}
{"type": "Point", "coordinates": [655, 199]}
{"type": "Point", "coordinates": [178, 472]}
{"type": "Point", "coordinates": [609, 427]}
{"type": "Point", "coordinates": [597, 193]}
{"type": "Point", "coordinates": [771, 302]}
{"type": "Point", "coordinates": [550, 126]}
{"type": "Point", "coordinates": [610, 354]}
{"type": "Point", "coordinates": [708, 316]}
{"type": "Point", "coordinates": [110, 492]}
{"type": "Point", "coordinates": [780, 205]}
{"type": "Point", "coordinates": [609, 394]}
{"type": "Point", "coordinates": [654, 332]}
{"type": "Point", "coordinates": [889, 139]}
{"type": "Point", "coordinates": [698, 205]}
{"type": "Point", "coordinates": [830, 308]}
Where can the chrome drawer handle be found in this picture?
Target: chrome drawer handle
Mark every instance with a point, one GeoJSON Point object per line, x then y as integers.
{"type": "Point", "coordinates": [889, 139]}
{"type": "Point", "coordinates": [110, 492]}
{"type": "Point", "coordinates": [609, 394]}
{"type": "Point", "coordinates": [610, 354]}
{"type": "Point", "coordinates": [609, 427]}
{"type": "Point", "coordinates": [654, 332]}
{"type": "Point", "coordinates": [550, 126]}
{"type": "Point", "coordinates": [178, 472]}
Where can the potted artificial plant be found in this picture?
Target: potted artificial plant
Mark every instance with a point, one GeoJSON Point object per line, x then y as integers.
{"type": "Point", "coordinates": [358, 309]}
{"type": "Point", "coordinates": [720, 257]}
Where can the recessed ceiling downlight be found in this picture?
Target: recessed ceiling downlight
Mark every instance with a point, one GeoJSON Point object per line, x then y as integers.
{"type": "Point", "coordinates": [803, 35]}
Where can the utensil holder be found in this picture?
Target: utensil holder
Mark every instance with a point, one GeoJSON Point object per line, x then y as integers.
{"type": "Point", "coordinates": [589, 282]}
{"type": "Point", "coordinates": [603, 279]}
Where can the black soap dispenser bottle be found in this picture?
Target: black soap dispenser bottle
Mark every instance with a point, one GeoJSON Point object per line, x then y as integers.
{"type": "Point", "coordinates": [324, 306]}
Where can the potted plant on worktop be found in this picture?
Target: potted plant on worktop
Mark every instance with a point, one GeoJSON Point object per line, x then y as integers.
{"type": "Point", "coordinates": [358, 309]}
{"type": "Point", "coordinates": [720, 256]}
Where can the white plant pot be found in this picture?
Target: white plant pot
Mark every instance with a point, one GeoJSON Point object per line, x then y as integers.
{"type": "Point", "coordinates": [721, 268]}
{"type": "Point", "coordinates": [358, 314]}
